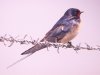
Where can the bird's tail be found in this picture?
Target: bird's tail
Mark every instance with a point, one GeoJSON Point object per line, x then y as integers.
{"type": "Point", "coordinates": [18, 61]}
{"type": "Point", "coordinates": [29, 52]}
{"type": "Point", "coordinates": [34, 49]}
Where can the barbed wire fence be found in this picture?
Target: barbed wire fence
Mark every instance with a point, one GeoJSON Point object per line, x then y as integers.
{"type": "Point", "coordinates": [8, 38]}
{"type": "Point", "coordinates": [13, 40]}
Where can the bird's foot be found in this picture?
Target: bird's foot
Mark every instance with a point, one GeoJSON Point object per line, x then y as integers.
{"type": "Point", "coordinates": [70, 45]}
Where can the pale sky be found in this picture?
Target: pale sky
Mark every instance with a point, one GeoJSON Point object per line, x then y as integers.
{"type": "Point", "coordinates": [35, 18]}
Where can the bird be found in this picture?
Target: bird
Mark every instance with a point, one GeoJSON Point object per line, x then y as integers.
{"type": "Point", "coordinates": [65, 29]}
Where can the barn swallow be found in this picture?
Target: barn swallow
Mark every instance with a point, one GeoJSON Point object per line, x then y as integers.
{"type": "Point", "coordinates": [62, 32]}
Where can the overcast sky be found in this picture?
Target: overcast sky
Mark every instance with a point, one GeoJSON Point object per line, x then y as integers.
{"type": "Point", "coordinates": [35, 18]}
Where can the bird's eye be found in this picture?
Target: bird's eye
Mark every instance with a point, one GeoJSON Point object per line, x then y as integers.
{"type": "Point", "coordinates": [76, 13]}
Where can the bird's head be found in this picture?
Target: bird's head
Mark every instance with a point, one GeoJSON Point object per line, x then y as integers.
{"type": "Point", "coordinates": [73, 12]}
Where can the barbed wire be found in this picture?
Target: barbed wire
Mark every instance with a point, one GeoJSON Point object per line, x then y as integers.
{"type": "Point", "coordinates": [8, 38]}
{"type": "Point", "coordinates": [13, 40]}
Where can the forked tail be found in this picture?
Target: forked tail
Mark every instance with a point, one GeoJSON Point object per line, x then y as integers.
{"type": "Point", "coordinates": [29, 52]}
{"type": "Point", "coordinates": [18, 61]}
{"type": "Point", "coordinates": [34, 49]}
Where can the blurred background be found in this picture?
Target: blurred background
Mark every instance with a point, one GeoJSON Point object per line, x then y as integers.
{"type": "Point", "coordinates": [35, 18]}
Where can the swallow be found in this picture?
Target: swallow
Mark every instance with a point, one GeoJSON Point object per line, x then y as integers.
{"type": "Point", "coordinates": [63, 31]}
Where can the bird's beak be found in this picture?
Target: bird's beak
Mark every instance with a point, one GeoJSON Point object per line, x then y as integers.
{"type": "Point", "coordinates": [82, 11]}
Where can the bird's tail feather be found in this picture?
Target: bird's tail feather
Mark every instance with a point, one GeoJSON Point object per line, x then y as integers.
{"type": "Point", "coordinates": [18, 61]}
{"type": "Point", "coordinates": [34, 49]}
{"type": "Point", "coordinates": [29, 52]}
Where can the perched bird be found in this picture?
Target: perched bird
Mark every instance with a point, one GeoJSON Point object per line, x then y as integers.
{"type": "Point", "coordinates": [62, 32]}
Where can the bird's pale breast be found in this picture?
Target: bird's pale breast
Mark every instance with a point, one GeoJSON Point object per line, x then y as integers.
{"type": "Point", "coordinates": [70, 35]}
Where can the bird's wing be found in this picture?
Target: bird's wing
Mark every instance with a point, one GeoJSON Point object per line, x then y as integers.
{"type": "Point", "coordinates": [59, 30]}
